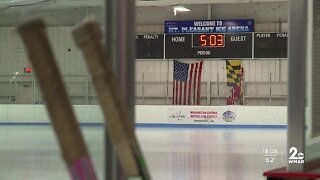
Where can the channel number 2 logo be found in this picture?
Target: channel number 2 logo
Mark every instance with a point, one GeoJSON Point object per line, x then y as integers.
{"type": "Point", "coordinates": [295, 157]}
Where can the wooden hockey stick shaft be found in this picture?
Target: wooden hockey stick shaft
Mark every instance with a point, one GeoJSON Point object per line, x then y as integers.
{"type": "Point", "coordinates": [120, 127]}
{"type": "Point", "coordinates": [58, 105]}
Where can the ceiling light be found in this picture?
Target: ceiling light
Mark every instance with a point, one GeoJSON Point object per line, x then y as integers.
{"type": "Point", "coordinates": [180, 9]}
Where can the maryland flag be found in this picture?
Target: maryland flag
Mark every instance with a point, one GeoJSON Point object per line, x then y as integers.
{"type": "Point", "coordinates": [233, 73]}
{"type": "Point", "coordinates": [235, 81]}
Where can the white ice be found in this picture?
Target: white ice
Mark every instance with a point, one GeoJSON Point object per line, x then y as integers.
{"type": "Point", "coordinates": [32, 153]}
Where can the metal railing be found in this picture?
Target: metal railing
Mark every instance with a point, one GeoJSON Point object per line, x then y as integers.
{"type": "Point", "coordinates": [24, 89]}
{"type": "Point", "coordinates": [156, 88]}
{"type": "Point", "coordinates": [151, 88]}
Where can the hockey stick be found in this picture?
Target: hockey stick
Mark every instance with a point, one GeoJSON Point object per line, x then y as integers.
{"type": "Point", "coordinates": [88, 37]}
{"type": "Point", "coordinates": [62, 116]}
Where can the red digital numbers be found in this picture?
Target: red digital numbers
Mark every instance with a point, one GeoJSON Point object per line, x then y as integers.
{"type": "Point", "coordinates": [212, 40]}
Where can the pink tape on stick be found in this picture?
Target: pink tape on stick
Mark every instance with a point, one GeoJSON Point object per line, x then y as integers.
{"type": "Point", "coordinates": [82, 169]}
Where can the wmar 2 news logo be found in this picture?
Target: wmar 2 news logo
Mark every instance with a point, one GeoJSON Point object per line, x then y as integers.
{"type": "Point", "coordinates": [295, 157]}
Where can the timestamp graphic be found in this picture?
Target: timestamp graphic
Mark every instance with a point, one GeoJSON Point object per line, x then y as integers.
{"type": "Point", "coordinates": [270, 155]}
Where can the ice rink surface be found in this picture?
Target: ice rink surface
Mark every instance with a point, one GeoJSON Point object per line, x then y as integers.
{"type": "Point", "coordinates": [31, 152]}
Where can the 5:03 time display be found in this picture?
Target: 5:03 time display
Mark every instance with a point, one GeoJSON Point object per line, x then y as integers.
{"type": "Point", "coordinates": [208, 40]}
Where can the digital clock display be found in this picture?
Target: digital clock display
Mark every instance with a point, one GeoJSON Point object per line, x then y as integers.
{"type": "Point", "coordinates": [208, 40]}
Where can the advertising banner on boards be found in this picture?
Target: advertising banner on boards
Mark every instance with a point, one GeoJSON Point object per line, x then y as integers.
{"type": "Point", "coordinates": [209, 26]}
{"type": "Point", "coordinates": [201, 115]}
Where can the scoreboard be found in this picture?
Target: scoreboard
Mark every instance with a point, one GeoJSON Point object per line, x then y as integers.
{"type": "Point", "coordinates": [229, 45]}
{"type": "Point", "coordinates": [214, 45]}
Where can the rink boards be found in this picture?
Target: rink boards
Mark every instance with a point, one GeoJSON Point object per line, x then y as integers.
{"type": "Point", "coordinates": [159, 115]}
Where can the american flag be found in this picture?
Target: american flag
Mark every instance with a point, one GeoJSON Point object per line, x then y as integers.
{"type": "Point", "coordinates": [186, 83]}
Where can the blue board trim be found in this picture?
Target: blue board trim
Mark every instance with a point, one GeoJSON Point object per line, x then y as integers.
{"type": "Point", "coordinates": [151, 125]}
{"type": "Point", "coordinates": [155, 125]}
{"type": "Point", "coordinates": [45, 124]}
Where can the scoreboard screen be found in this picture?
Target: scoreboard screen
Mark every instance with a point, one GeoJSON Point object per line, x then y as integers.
{"type": "Point", "coordinates": [231, 45]}
{"type": "Point", "coordinates": [208, 40]}
{"type": "Point", "coordinates": [149, 46]}
{"type": "Point", "coordinates": [270, 45]}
